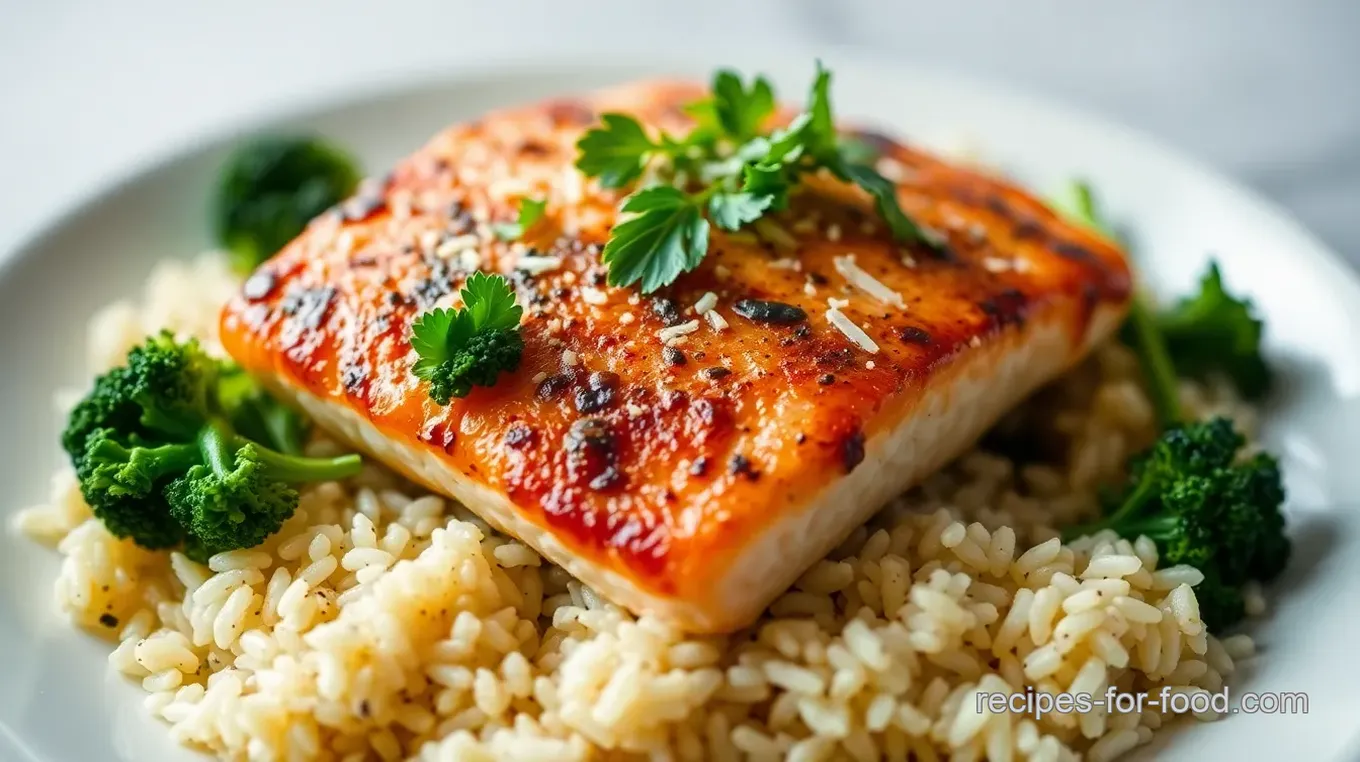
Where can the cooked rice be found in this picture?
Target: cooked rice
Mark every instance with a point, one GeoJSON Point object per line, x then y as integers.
{"type": "Point", "coordinates": [384, 622]}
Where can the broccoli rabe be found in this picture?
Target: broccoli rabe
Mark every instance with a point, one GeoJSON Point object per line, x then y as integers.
{"type": "Point", "coordinates": [178, 449]}
{"type": "Point", "coordinates": [471, 346]}
{"type": "Point", "coordinates": [1210, 332]}
{"type": "Point", "coordinates": [270, 189]}
{"type": "Point", "coordinates": [1192, 493]}
{"type": "Point", "coordinates": [1216, 332]}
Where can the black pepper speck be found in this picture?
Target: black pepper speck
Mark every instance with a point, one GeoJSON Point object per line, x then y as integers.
{"type": "Point", "coordinates": [673, 356]}
{"type": "Point", "coordinates": [598, 392]}
{"type": "Point", "coordinates": [666, 310]}
{"type": "Point", "coordinates": [552, 386]}
{"type": "Point", "coordinates": [852, 450]}
{"type": "Point", "coordinates": [741, 465]}
{"type": "Point", "coordinates": [762, 311]}
{"type": "Point", "coordinates": [913, 335]}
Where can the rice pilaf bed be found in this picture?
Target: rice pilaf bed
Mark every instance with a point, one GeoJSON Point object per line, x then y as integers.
{"type": "Point", "coordinates": [383, 622]}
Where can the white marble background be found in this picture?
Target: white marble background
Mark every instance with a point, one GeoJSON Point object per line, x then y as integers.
{"type": "Point", "coordinates": [1268, 91]}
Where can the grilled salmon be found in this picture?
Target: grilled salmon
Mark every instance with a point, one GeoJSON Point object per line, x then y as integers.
{"type": "Point", "coordinates": [687, 453]}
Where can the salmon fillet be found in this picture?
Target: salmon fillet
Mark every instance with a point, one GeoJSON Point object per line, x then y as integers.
{"type": "Point", "coordinates": [693, 476]}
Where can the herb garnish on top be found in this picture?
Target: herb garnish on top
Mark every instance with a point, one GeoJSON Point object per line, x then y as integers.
{"type": "Point", "coordinates": [725, 172]}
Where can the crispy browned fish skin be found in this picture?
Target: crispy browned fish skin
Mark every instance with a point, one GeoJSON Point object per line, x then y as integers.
{"type": "Point", "coordinates": [695, 490]}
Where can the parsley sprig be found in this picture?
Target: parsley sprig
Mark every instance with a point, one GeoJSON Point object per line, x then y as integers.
{"type": "Point", "coordinates": [470, 346]}
{"type": "Point", "coordinates": [725, 172]}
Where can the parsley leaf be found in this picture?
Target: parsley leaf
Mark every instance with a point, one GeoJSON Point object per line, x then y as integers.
{"type": "Point", "coordinates": [837, 158]}
{"type": "Point", "coordinates": [730, 211]}
{"type": "Point", "coordinates": [884, 192]}
{"type": "Point", "coordinates": [668, 237]}
{"type": "Point", "coordinates": [616, 152]}
{"type": "Point", "coordinates": [821, 128]}
{"type": "Point", "coordinates": [530, 211]}
{"type": "Point", "coordinates": [725, 172]}
{"type": "Point", "coordinates": [770, 181]}
{"type": "Point", "coordinates": [471, 346]}
{"type": "Point", "coordinates": [741, 112]}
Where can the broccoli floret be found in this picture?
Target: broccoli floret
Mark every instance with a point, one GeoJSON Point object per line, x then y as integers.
{"type": "Point", "coordinates": [1220, 605]}
{"type": "Point", "coordinates": [1216, 332]}
{"type": "Point", "coordinates": [160, 460]}
{"type": "Point", "coordinates": [121, 484]}
{"type": "Point", "coordinates": [1189, 494]}
{"type": "Point", "coordinates": [270, 189]}
{"type": "Point", "coordinates": [229, 504]}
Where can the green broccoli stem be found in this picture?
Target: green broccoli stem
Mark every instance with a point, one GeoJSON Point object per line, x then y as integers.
{"type": "Point", "coordinates": [1156, 361]}
{"type": "Point", "coordinates": [286, 430]}
{"type": "Point", "coordinates": [142, 466]}
{"type": "Point", "coordinates": [295, 468]}
{"type": "Point", "coordinates": [215, 442]}
{"type": "Point", "coordinates": [1151, 344]}
{"type": "Point", "coordinates": [219, 445]}
{"type": "Point", "coordinates": [173, 425]}
{"type": "Point", "coordinates": [1124, 516]}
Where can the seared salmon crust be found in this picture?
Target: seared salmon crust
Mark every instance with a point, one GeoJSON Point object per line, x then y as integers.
{"type": "Point", "coordinates": [682, 464]}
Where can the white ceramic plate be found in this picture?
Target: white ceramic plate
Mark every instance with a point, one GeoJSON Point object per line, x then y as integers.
{"type": "Point", "coordinates": [58, 702]}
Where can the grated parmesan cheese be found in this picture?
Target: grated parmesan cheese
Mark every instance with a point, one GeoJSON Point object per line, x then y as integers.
{"type": "Point", "coordinates": [833, 232]}
{"type": "Point", "coordinates": [539, 377]}
{"type": "Point", "coordinates": [626, 318]}
{"type": "Point", "coordinates": [470, 259]}
{"type": "Point", "coordinates": [456, 245]}
{"type": "Point", "coordinates": [716, 320]}
{"type": "Point", "coordinates": [997, 264]}
{"type": "Point", "coordinates": [787, 263]}
{"type": "Point", "coordinates": [865, 282]}
{"type": "Point", "coordinates": [572, 187]}
{"type": "Point", "coordinates": [569, 358]}
{"type": "Point", "coordinates": [344, 243]}
{"type": "Point", "coordinates": [721, 272]}
{"type": "Point", "coordinates": [706, 302]}
{"type": "Point", "coordinates": [669, 335]}
{"type": "Point", "coordinates": [809, 289]}
{"type": "Point", "coordinates": [537, 265]}
{"type": "Point", "coordinates": [892, 169]}
{"type": "Point", "coordinates": [428, 240]}
{"type": "Point", "coordinates": [847, 326]}
{"type": "Point", "coordinates": [591, 295]}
